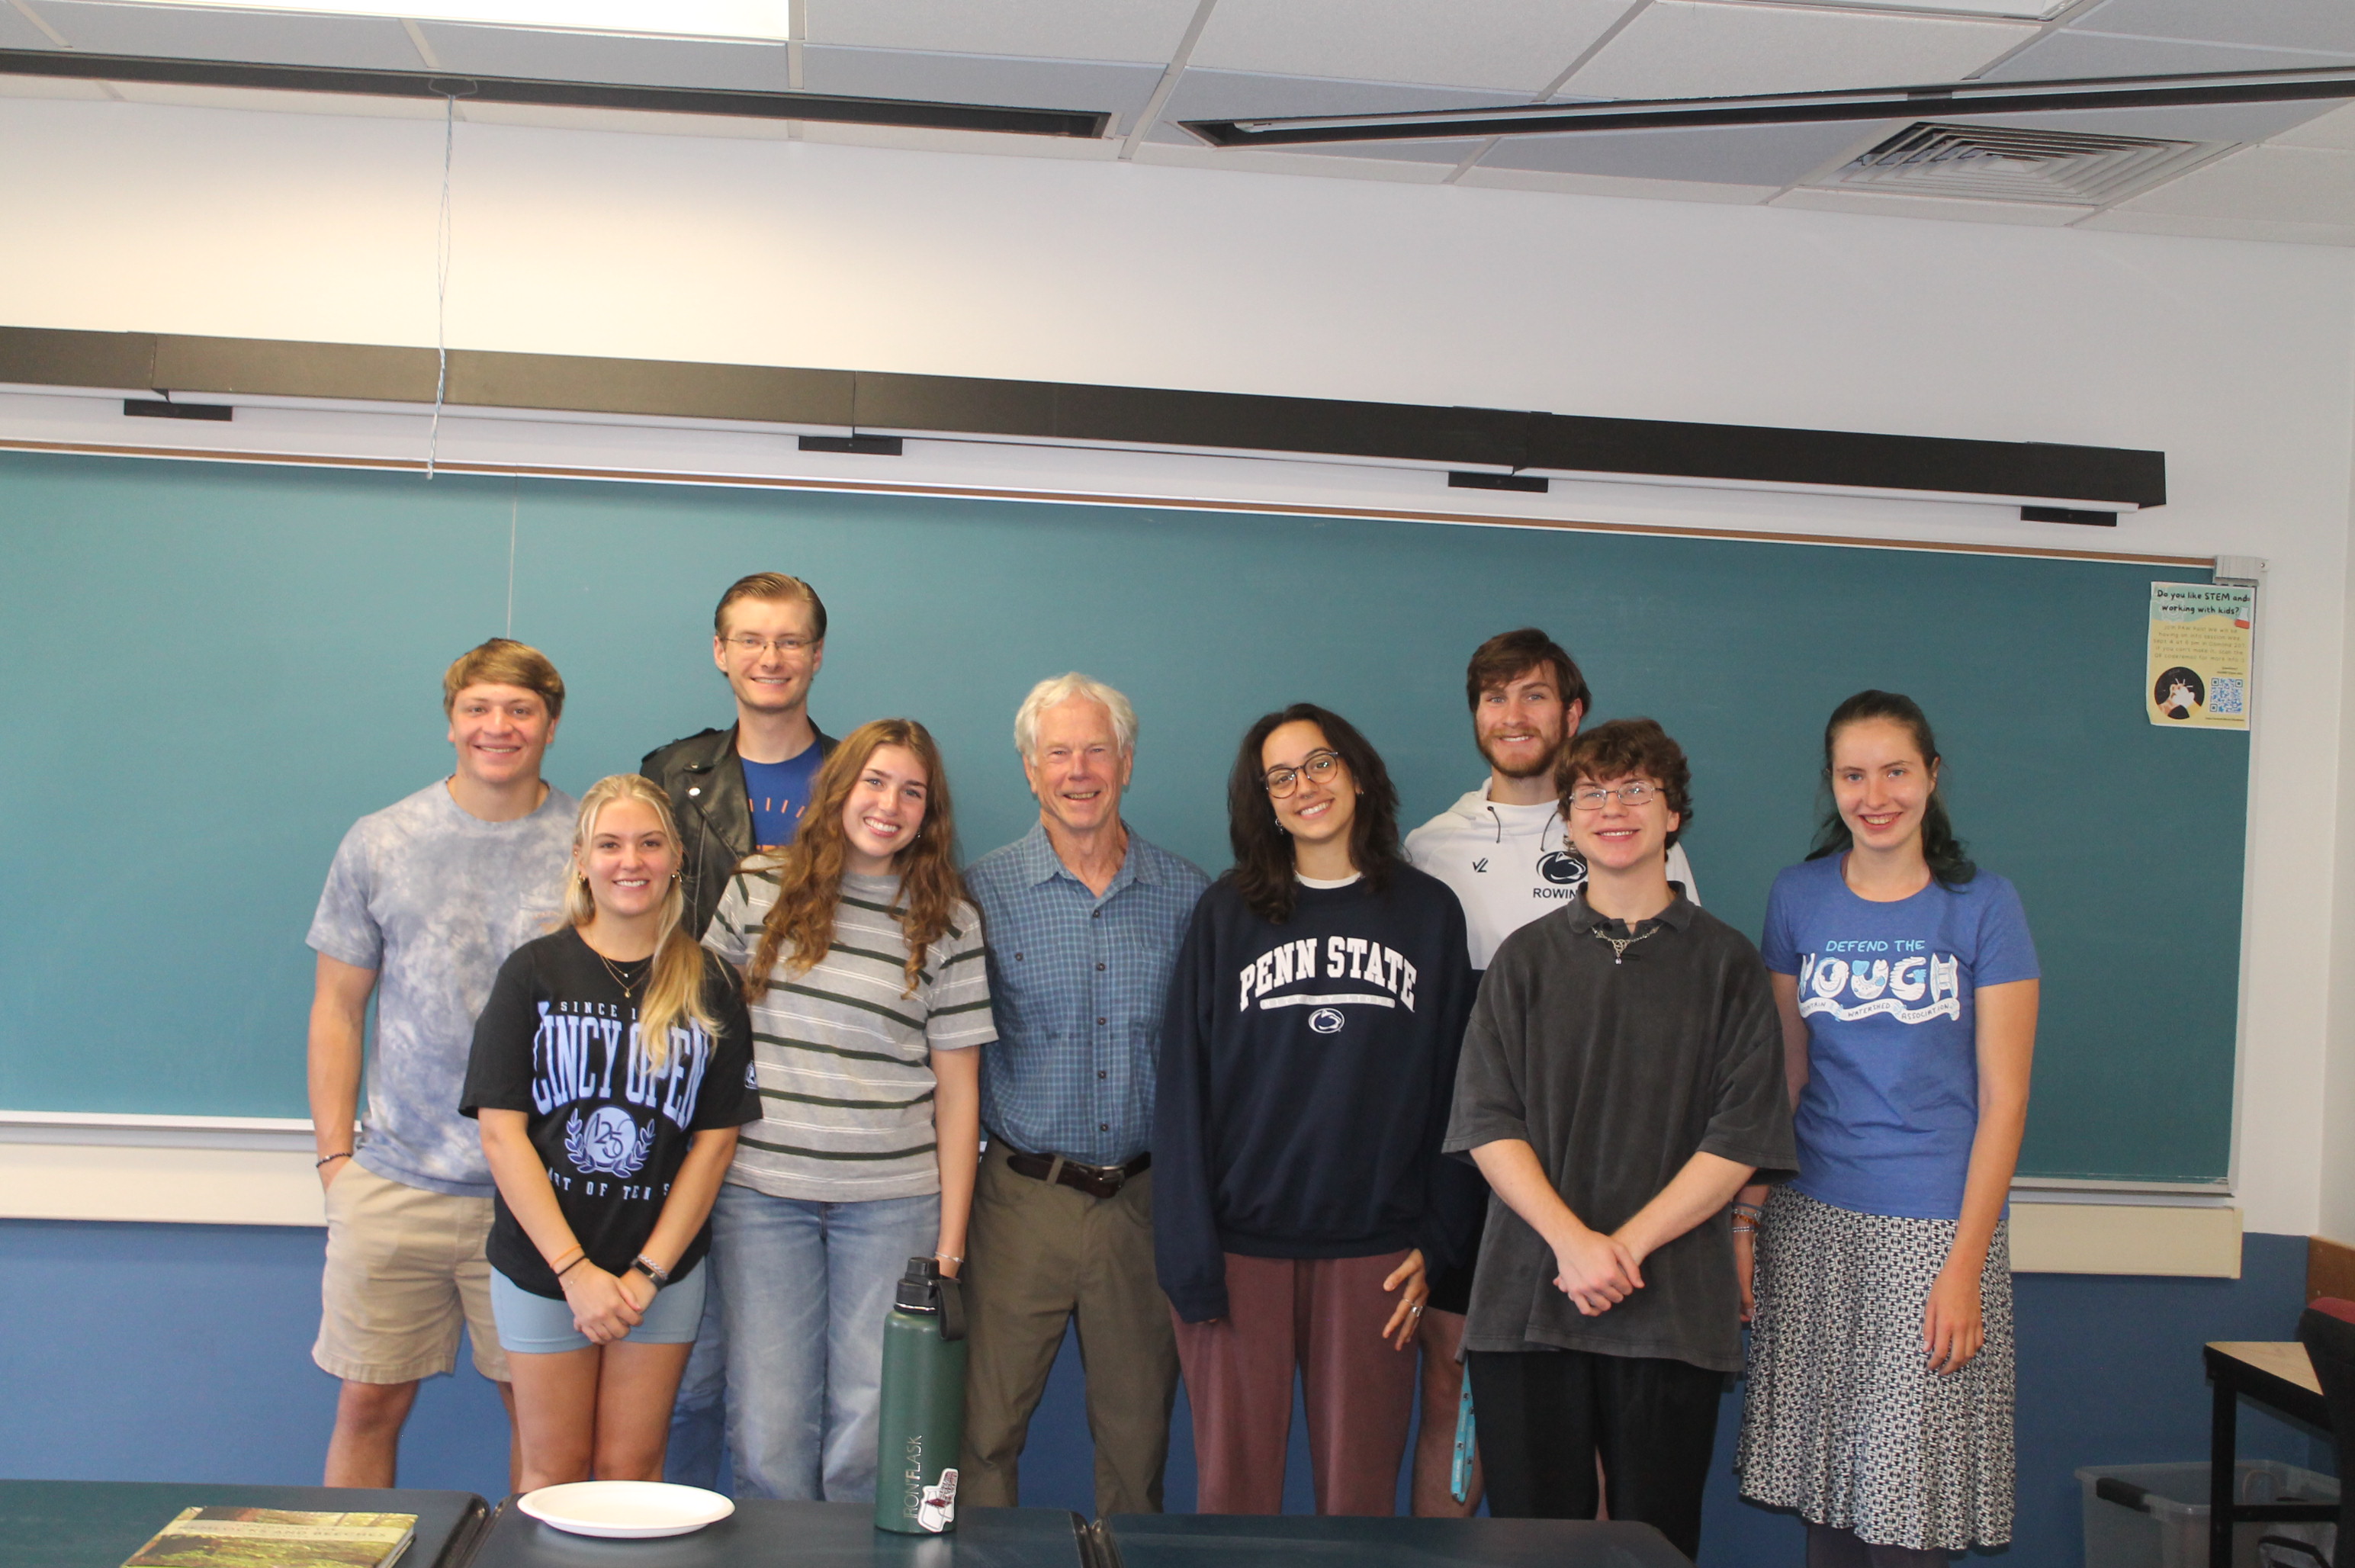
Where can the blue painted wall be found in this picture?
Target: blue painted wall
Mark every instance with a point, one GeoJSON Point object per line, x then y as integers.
{"type": "Point", "coordinates": [175, 1352]}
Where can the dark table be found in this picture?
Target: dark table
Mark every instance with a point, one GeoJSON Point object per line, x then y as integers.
{"type": "Point", "coordinates": [800, 1535]}
{"type": "Point", "coordinates": [97, 1524]}
{"type": "Point", "coordinates": [1299, 1540]}
{"type": "Point", "coordinates": [2274, 1373]}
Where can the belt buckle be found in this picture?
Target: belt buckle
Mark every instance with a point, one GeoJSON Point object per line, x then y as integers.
{"type": "Point", "coordinates": [1113, 1179]}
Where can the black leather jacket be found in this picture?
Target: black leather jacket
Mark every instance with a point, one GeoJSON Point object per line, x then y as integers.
{"type": "Point", "coordinates": [706, 794]}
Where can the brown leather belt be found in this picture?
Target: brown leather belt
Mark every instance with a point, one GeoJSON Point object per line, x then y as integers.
{"type": "Point", "coordinates": [1095, 1181]}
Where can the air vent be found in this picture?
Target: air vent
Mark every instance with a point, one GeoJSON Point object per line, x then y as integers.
{"type": "Point", "coordinates": [1998, 163]}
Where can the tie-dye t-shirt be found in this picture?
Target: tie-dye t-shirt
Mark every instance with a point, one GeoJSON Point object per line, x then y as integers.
{"type": "Point", "coordinates": [435, 899]}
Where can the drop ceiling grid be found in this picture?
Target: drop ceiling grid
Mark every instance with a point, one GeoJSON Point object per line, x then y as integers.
{"type": "Point", "coordinates": [1697, 49]}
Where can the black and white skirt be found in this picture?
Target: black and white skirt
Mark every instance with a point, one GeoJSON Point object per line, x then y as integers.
{"type": "Point", "coordinates": [1844, 1420]}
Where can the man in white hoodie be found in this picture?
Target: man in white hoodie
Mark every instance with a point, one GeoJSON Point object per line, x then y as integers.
{"type": "Point", "coordinates": [1503, 847]}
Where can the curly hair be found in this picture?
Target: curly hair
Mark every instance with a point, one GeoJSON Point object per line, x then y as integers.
{"type": "Point", "coordinates": [800, 924]}
{"type": "Point", "coordinates": [1626, 746]}
{"type": "Point", "coordinates": [1263, 870]}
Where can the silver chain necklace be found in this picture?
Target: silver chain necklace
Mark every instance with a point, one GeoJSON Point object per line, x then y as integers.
{"type": "Point", "coordinates": [1619, 945]}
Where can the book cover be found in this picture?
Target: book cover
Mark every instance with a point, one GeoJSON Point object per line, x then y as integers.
{"type": "Point", "coordinates": [276, 1538]}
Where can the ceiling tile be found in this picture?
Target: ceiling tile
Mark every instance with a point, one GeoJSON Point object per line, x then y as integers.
{"type": "Point", "coordinates": [2223, 228]}
{"type": "Point", "coordinates": [1885, 203]}
{"type": "Point", "coordinates": [2326, 24]}
{"type": "Point", "coordinates": [1699, 48]}
{"type": "Point", "coordinates": [1517, 45]}
{"type": "Point", "coordinates": [2194, 123]}
{"type": "Point", "coordinates": [1137, 30]}
{"type": "Point", "coordinates": [2059, 56]}
{"type": "Point", "coordinates": [373, 43]}
{"type": "Point", "coordinates": [1247, 160]}
{"type": "Point", "coordinates": [1245, 95]}
{"type": "Point", "coordinates": [16, 33]}
{"type": "Point", "coordinates": [1745, 154]}
{"type": "Point", "coordinates": [2334, 130]}
{"type": "Point", "coordinates": [1119, 90]}
{"type": "Point", "coordinates": [532, 52]}
{"type": "Point", "coordinates": [2289, 184]}
{"type": "Point", "coordinates": [1605, 185]}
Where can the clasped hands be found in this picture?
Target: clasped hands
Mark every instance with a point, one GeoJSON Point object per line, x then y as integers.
{"type": "Point", "coordinates": [1598, 1270]}
{"type": "Point", "coordinates": [607, 1306]}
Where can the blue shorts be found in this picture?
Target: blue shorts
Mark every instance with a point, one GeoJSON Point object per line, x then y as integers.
{"type": "Point", "coordinates": [538, 1325]}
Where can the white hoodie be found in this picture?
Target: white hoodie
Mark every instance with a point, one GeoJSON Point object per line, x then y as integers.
{"type": "Point", "coordinates": [1509, 864]}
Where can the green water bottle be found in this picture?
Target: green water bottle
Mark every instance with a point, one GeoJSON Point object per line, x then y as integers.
{"type": "Point", "coordinates": [922, 1415]}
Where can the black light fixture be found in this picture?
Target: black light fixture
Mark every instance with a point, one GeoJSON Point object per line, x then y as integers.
{"type": "Point", "coordinates": [1943, 102]}
{"type": "Point", "coordinates": [741, 103]}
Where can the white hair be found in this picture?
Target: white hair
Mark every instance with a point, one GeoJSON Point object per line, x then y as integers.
{"type": "Point", "coordinates": [1062, 688]}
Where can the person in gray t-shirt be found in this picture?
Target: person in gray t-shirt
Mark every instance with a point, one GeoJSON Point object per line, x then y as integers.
{"type": "Point", "coordinates": [426, 897]}
{"type": "Point", "coordinates": [1621, 1077]}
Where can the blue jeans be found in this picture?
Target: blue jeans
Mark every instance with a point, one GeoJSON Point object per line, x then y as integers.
{"type": "Point", "coordinates": [804, 1290]}
{"type": "Point", "coordinates": [699, 1418]}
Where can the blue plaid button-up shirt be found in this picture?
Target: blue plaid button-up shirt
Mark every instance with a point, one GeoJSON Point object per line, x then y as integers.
{"type": "Point", "coordinates": [1077, 982]}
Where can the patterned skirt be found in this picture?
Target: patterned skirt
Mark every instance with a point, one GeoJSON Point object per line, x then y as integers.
{"type": "Point", "coordinates": [1844, 1420]}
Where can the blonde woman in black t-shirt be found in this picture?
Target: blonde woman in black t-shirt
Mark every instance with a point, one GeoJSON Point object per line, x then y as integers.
{"type": "Point", "coordinates": [610, 1072]}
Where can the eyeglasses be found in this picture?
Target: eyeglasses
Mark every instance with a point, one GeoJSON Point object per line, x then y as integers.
{"type": "Point", "coordinates": [1319, 765]}
{"type": "Point", "coordinates": [751, 646]}
{"type": "Point", "coordinates": [1633, 794]}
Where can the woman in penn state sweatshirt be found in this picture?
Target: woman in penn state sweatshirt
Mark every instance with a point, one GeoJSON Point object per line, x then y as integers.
{"type": "Point", "coordinates": [1307, 1064]}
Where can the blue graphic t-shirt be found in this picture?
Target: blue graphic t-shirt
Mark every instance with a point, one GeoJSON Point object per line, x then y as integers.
{"type": "Point", "coordinates": [1886, 1121]}
{"type": "Point", "coordinates": [558, 1040]}
{"type": "Point", "coordinates": [777, 792]}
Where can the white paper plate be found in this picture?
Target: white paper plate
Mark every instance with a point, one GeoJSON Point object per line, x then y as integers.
{"type": "Point", "coordinates": [631, 1509]}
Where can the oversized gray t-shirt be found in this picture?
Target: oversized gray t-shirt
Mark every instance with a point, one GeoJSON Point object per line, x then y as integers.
{"type": "Point", "coordinates": [1617, 1071]}
{"type": "Point", "coordinates": [434, 900]}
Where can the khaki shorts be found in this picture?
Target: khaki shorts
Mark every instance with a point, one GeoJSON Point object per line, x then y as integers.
{"type": "Point", "coordinates": [405, 1271]}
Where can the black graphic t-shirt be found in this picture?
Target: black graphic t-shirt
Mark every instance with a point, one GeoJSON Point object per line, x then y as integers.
{"type": "Point", "coordinates": [558, 1040]}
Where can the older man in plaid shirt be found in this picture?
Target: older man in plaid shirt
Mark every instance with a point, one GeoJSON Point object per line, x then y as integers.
{"type": "Point", "coordinates": [1084, 920]}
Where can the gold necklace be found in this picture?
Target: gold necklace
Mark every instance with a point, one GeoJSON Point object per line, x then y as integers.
{"type": "Point", "coordinates": [626, 983]}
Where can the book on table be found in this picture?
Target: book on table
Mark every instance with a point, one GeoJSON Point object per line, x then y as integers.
{"type": "Point", "coordinates": [276, 1538]}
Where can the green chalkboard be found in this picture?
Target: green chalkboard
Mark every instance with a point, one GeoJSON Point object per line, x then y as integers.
{"type": "Point", "coordinates": [212, 670]}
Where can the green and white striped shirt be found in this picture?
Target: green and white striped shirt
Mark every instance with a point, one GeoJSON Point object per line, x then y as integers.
{"type": "Point", "coordinates": [842, 1054]}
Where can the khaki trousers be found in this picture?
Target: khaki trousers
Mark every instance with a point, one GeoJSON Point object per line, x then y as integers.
{"type": "Point", "coordinates": [1039, 1256]}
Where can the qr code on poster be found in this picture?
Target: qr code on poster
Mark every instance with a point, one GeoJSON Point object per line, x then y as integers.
{"type": "Point", "coordinates": [2228, 694]}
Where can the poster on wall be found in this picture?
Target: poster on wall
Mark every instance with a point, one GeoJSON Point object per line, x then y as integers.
{"type": "Point", "coordinates": [2201, 636]}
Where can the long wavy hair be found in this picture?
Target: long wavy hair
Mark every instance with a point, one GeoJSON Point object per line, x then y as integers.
{"type": "Point", "coordinates": [1949, 857]}
{"type": "Point", "coordinates": [1263, 872]}
{"type": "Point", "coordinates": [800, 925]}
{"type": "Point", "coordinates": [674, 987]}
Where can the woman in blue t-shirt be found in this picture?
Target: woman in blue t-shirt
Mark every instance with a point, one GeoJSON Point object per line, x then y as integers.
{"type": "Point", "coordinates": [1880, 1356]}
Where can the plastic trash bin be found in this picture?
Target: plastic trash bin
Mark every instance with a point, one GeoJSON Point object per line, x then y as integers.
{"type": "Point", "coordinates": [2156, 1516]}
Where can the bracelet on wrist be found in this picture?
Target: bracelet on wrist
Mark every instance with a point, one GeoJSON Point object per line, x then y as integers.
{"type": "Point", "coordinates": [580, 1255]}
{"type": "Point", "coordinates": [652, 1270]}
{"type": "Point", "coordinates": [956, 1258]}
{"type": "Point", "coordinates": [322, 1162]}
{"type": "Point", "coordinates": [1751, 1212]}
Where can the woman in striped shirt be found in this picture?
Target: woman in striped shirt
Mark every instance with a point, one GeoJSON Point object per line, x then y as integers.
{"type": "Point", "coordinates": [864, 969]}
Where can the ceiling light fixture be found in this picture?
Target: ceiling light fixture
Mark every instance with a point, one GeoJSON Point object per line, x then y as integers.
{"type": "Point", "coordinates": [755, 20]}
{"type": "Point", "coordinates": [2005, 10]}
{"type": "Point", "coordinates": [1945, 100]}
{"type": "Point", "coordinates": [435, 86]}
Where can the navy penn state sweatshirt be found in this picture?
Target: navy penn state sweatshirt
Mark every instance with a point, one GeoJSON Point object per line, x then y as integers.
{"type": "Point", "coordinates": [1305, 1077]}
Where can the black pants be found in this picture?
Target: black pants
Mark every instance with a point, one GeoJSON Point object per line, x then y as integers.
{"type": "Point", "coordinates": [1544, 1415]}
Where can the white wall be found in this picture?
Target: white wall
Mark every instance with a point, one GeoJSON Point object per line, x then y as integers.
{"type": "Point", "coordinates": [2234, 358]}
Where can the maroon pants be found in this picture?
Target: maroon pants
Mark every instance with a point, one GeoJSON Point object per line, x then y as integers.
{"type": "Point", "coordinates": [1324, 1316]}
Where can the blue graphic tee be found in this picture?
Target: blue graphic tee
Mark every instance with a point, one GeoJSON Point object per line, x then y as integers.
{"type": "Point", "coordinates": [559, 1041]}
{"type": "Point", "coordinates": [1885, 1123]}
{"type": "Point", "coordinates": [777, 792]}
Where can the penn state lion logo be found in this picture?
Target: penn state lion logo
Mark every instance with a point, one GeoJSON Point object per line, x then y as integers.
{"type": "Point", "coordinates": [609, 1143]}
{"type": "Point", "coordinates": [1561, 868]}
{"type": "Point", "coordinates": [1327, 1020]}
